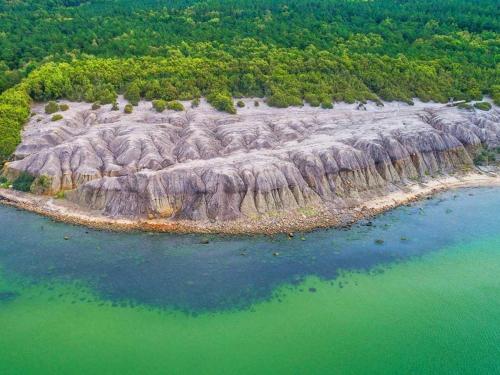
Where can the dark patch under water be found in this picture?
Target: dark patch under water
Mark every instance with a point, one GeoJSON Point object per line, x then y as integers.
{"type": "Point", "coordinates": [187, 273]}
{"type": "Point", "coordinates": [8, 296]}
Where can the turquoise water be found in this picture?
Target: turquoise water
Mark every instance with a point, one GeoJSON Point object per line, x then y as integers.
{"type": "Point", "coordinates": [424, 301]}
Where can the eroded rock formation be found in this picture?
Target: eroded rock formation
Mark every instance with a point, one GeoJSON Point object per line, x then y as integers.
{"type": "Point", "coordinates": [203, 164]}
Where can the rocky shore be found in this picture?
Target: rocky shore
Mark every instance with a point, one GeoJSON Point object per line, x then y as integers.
{"type": "Point", "coordinates": [279, 222]}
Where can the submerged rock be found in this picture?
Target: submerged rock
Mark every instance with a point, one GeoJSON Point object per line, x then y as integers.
{"type": "Point", "coordinates": [207, 165]}
{"type": "Point", "coordinates": [8, 296]}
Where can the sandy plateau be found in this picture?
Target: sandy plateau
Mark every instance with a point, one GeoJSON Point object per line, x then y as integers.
{"type": "Point", "coordinates": [262, 170]}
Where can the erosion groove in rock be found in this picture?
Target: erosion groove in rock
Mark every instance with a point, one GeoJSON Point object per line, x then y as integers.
{"type": "Point", "coordinates": [201, 164]}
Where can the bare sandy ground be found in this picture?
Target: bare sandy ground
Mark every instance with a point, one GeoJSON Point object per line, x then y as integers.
{"type": "Point", "coordinates": [303, 219]}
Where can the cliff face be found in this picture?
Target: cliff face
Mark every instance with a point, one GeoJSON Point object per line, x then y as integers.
{"type": "Point", "coordinates": [203, 164]}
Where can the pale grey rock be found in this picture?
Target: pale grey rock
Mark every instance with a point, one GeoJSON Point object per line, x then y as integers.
{"type": "Point", "coordinates": [207, 165]}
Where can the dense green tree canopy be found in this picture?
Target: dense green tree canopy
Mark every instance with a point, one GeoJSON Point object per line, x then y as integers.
{"type": "Point", "coordinates": [288, 51]}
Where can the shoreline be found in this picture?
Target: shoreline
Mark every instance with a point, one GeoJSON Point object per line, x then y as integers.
{"type": "Point", "coordinates": [301, 220]}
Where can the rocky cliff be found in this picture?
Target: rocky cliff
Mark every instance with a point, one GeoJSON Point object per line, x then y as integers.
{"type": "Point", "coordinates": [202, 164]}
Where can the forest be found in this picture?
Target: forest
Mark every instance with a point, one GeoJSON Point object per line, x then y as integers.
{"type": "Point", "coordinates": [289, 52]}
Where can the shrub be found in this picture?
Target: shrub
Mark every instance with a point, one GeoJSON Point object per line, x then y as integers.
{"type": "Point", "coordinates": [133, 93]}
{"type": "Point", "coordinates": [51, 107]}
{"type": "Point", "coordinates": [104, 94]}
{"type": "Point", "coordinates": [466, 106]}
{"type": "Point", "coordinates": [312, 99]}
{"type": "Point", "coordinates": [484, 156]}
{"type": "Point", "coordinates": [195, 102]}
{"type": "Point", "coordinates": [96, 106]}
{"type": "Point", "coordinates": [281, 100]}
{"type": "Point", "coordinates": [483, 106]}
{"type": "Point", "coordinates": [23, 182]}
{"type": "Point", "coordinates": [3, 180]}
{"type": "Point", "coordinates": [63, 107]}
{"type": "Point", "coordinates": [327, 105]}
{"type": "Point", "coordinates": [128, 108]}
{"type": "Point", "coordinates": [240, 104]}
{"type": "Point", "coordinates": [175, 106]}
{"type": "Point", "coordinates": [495, 94]}
{"type": "Point", "coordinates": [115, 107]}
{"type": "Point", "coordinates": [222, 102]}
{"type": "Point", "coordinates": [56, 117]}
{"type": "Point", "coordinates": [256, 103]}
{"type": "Point", "coordinates": [159, 105]}
{"type": "Point", "coordinates": [40, 185]}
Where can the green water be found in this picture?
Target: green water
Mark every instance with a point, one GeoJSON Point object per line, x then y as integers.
{"type": "Point", "coordinates": [433, 312]}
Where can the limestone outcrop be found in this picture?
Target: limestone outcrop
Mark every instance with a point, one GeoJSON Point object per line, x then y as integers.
{"type": "Point", "coordinates": [205, 165]}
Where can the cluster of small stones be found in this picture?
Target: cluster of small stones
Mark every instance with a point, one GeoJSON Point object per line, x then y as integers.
{"type": "Point", "coordinates": [205, 165]}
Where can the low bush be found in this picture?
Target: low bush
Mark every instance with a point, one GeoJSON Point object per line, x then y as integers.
{"type": "Point", "coordinates": [159, 105]}
{"type": "Point", "coordinates": [222, 102]}
{"type": "Point", "coordinates": [23, 182]}
{"type": "Point", "coordinates": [485, 156]}
{"type": "Point", "coordinates": [40, 185]}
{"type": "Point", "coordinates": [175, 106]}
{"type": "Point", "coordinates": [483, 106]}
{"type": "Point", "coordinates": [128, 108]}
{"type": "Point", "coordinates": [5, 184]}
{"type": "Point", "coordinates": [51, 107]}
{"type": "Point", "coordinates": [3, 180]}
{"type": "Point", "coordinates": [63, 107]}
{"type": "Point", "coordinates": [312, 99]}
{"type": "Point", "coordinates": [240, 104]}
{"type": "Point", "coordinates": [115, 107]}
{"type": "Point", "coordinates": [133, 93]}
{"type": "Point", "coordinates": [96, 106]}
{"type": "Point", "coordinates": [280, 99]}
{"type": "Point", "coordinates": [56, 117]}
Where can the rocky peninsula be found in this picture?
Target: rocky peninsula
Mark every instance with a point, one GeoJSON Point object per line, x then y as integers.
{"type": "Point", "coordinates": [261, 170]}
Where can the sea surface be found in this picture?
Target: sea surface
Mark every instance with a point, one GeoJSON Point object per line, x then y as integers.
{"type": "Point", "coordinates": [413, 291]}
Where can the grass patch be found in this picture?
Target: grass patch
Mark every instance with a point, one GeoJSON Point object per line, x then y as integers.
{"type": "Point", "coordinates": [308, 211]}
{"type": "Point", "coordinates": [60, 195]}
